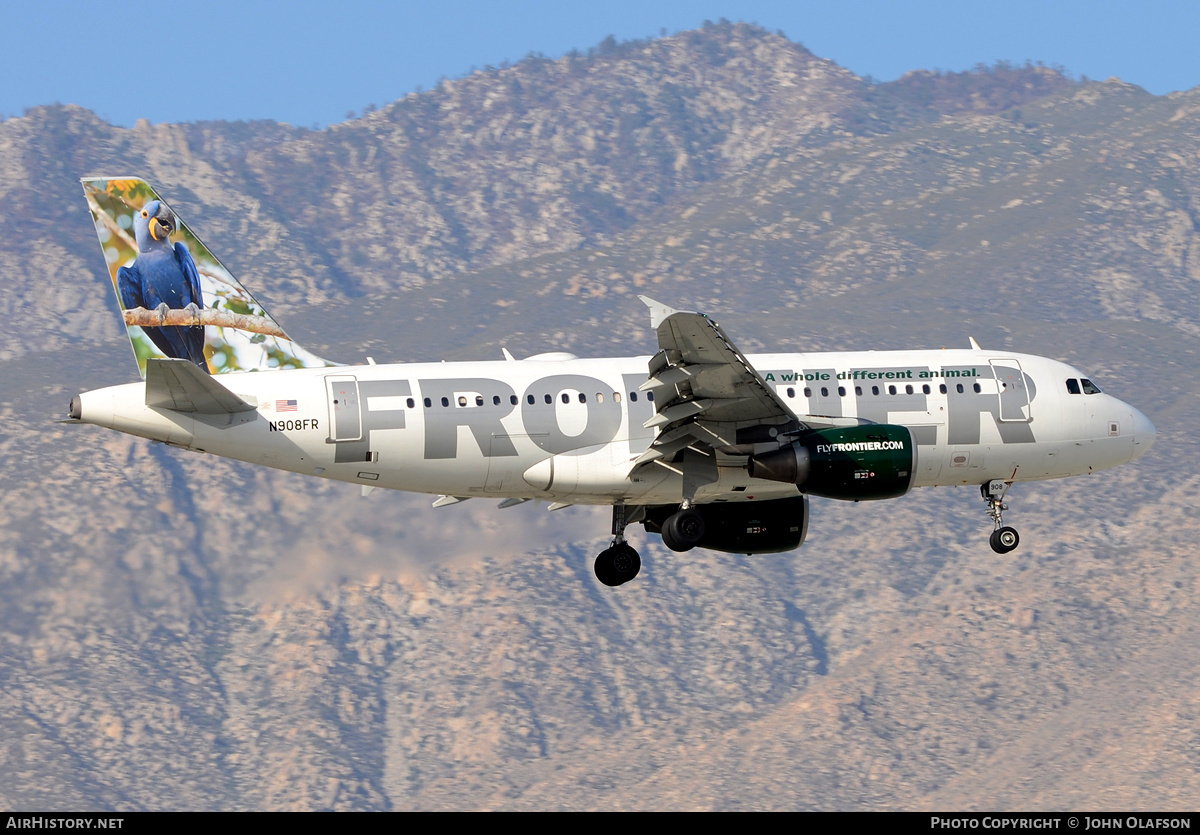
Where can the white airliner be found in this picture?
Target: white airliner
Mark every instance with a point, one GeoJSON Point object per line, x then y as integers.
{"type": "Point", "coordinates": [698, 442]}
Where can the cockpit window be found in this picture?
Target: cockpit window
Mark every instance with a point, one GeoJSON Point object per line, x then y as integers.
{"type": "Point", "coordinates": [1072, 386]}
{"type": "Point", "coordinates": [1089, 387]}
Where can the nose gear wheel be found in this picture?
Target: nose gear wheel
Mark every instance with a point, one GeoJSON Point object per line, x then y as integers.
{"type": "Point", "coordinates": [1004, 540]}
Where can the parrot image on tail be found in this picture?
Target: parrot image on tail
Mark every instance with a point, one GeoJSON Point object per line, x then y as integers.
{"type": "Point", "coordinates": [164, 277]}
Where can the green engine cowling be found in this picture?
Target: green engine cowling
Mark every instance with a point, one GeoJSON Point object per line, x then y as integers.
{"type": "Point", "coordinates": [876, 461]}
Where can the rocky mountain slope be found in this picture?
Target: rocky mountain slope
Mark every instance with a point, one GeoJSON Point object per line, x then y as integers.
{"type": "Point", "coordinates": [178, 631]}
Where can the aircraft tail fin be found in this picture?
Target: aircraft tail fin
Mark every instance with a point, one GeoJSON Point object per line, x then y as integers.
{"type": "Point", "coordinates": [178, 301]}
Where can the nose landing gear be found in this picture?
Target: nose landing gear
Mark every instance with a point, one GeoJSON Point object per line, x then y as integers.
{"type": "Point", "coordinates": [619, 562]}
{"type": "Point", "coordinates": [1003, 538]}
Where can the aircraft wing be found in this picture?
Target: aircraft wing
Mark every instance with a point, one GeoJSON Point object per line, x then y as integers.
{"type": "Point", "coordinates": [705, 390]}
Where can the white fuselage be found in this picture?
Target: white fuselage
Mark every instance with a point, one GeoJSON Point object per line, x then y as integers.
{"type": "Point", "coordinates": [569, 430]}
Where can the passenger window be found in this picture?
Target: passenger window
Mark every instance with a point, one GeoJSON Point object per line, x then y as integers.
{"type": "Point", "coordinates": [650, 396]}
{"type": "Point", "coordinates": [462, 400]}
{"type": "Point", "coordinates": [599, 397]}
{"type": "Point", "coordinates": [841, 391]}
{"type": "Point", "coordinates": [908, 389]}
{"type": "Point", "coordinates": [791, 392]}
{"type": "Point", "coordinates": [925, 389]}
{"type": "Point", "coordinates": [858, 390]}
{"type": "Point", "coordinates": [807, 392]}
{"type": "Point", "coordinates": [977, 388]}
{"type": "Point", "coordinates": [616, 397]}
{"type": "Point", "coordinates": [824, 391]}
{"type": "Point", "coordinates": [875, 390]}
{"type": "Point", "coordinates": [410, 403]}
{"type": "Point", "coordinates": [479, 400]}
{"type": "Point", "coordinates": [549, 400]}
{"type": "Point", "coordinates": [891, 389]}
{"type": "Point", "coordinates": [1072, 386]}
{"type": "Point", "coordinates": [495, 400]}
{"type": "Point", "coordinates": [960, 388]}
{"type": "Point", "coordinates": [428, 402]}
{"type": "Point", "coordinates": [633, 396]}
{"type": "Point", "coordinates": [529, 399]}
{"type": "Point", "coordinates": [445, 401]}
{"type": "Point", "coordinates": [1089, 387]}
{"type": "Point", "coordinates": [512, 399]}
{"type": "Point", "coordinates": [942, 388]}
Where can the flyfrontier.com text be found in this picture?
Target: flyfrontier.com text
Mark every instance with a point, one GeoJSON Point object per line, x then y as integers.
{"type": "Point", "coordinates": [859, 446]}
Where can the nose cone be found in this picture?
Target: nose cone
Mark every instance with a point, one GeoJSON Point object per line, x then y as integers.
{"type": "Point", "coordinates": [1144, 433]}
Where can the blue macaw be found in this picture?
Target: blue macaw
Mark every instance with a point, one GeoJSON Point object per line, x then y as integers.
{"type": "Point", "coordinates": [162, 278]}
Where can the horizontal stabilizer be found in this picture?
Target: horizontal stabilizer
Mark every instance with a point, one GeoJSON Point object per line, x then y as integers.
{"type": "Point", "coordinates": [179, 385]}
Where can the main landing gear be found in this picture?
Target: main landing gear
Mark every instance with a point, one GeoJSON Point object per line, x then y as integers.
{"type": "Point", "coordinates": [619, 562]}
{"type": "Point", "coordinates": [1003, 538]}
{"type": "Point", "coordinates": [684, 529]}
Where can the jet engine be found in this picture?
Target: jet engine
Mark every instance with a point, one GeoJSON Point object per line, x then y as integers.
{"type": "Point", "coordinates": [762, 527]}
{"type": "Point", "coordinates": [875, 461]}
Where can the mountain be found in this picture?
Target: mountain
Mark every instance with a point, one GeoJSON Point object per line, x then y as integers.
{"type": "Point", "coordinates": [178, 631]}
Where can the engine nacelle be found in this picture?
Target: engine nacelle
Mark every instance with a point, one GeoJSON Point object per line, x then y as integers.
{"type": "Point", "coordinates": [876, 461]}
{"type": "Point", "coordinates": [763, 527]}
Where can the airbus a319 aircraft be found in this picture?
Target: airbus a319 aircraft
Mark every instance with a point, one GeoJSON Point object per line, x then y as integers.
{"type": "Point", "coordinates": [696, 441]}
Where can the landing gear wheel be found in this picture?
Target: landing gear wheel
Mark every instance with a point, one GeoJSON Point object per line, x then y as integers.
{"type": "Point", "coordinates": [1004, 540]}
{"type": "Point", "coordinates": [684, 530]}
{"type": "Point", "coordinates": [625, 561]}
{"type": "Point", "coordinates": [604, 568]}
{"type": "Point", "coordinates": [618, 564]}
